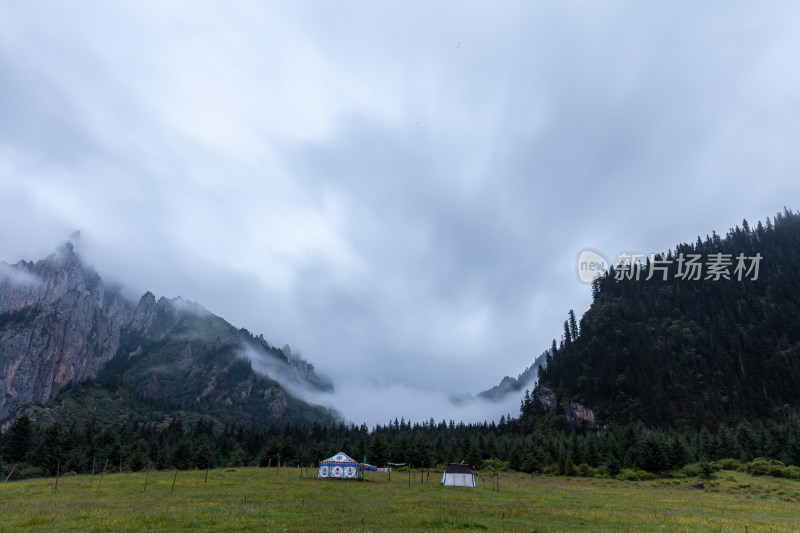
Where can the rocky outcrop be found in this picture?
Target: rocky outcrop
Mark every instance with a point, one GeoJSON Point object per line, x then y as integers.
{"type": "Point", "coordinates": [301, 371]}
{"type": "Point", "coordinates": [141, 318]}
{"type": "Point", "coordinates": [277, 401]}
{"type": "Point", "coordinates": [574, 412]}
{"type": "Point", "coordinates": [153, 386]}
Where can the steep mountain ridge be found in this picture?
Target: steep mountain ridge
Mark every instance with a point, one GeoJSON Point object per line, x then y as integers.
{"type": "Point", "coordinates": [509, 385]}
{"type": "Point", "coordinates": [60, 327]}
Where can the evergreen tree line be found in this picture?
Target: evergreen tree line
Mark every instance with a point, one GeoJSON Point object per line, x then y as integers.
{"type": "Point", "coordinates": [534, 442]}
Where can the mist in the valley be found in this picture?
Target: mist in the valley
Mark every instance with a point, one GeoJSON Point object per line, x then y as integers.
{"type": "Point", "coordinates": [364, 402]}
{"type": "Point", "coordinates": [360, 400]}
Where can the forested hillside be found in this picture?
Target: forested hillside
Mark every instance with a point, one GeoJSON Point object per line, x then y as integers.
{"type": "Point", "coordinates": [719, 342]}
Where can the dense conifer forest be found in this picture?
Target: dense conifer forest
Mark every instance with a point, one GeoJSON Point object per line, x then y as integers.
{"type": "Point", "coordinates": [694, 349]}
{"type": "Point", "coordinates": [530, 443]}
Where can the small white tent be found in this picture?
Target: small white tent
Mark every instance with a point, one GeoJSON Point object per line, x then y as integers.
{"type": "Point", "coordinates": [340, 466]}
{"type": "Point", "coordinates": [458, 476]}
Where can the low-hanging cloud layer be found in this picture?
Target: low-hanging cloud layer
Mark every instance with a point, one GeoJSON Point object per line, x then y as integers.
{"type": "Point", "coordinates": [400, 191]}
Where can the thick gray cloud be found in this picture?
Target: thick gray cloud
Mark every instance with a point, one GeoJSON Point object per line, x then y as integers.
{"type": "Point", "coordinates": [398, 191]}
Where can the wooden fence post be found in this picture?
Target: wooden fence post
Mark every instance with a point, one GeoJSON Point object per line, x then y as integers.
{"type": "Point", "coordinates": [9, 474]}
{"type": "Point", "coordinates": [173, 482]}
{"type": "Point", "coordinates": [207, 467]}
{"type": "Point", "coordinates": [147, 476]}
{"type": "Point", "coordinates": [94, 462]}
{"type": "Point", "coordinates": [58, 471]}
{"type": "Point", "coordinates": [101, 475]}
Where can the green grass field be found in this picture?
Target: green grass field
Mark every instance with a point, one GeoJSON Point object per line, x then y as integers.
{"type": "Point", "coordinates": [249, 499]}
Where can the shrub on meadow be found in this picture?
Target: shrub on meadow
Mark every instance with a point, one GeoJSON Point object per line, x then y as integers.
{"type": "Point", "coordinates": [727, 464]}
{"type": "Point", "coordinates": [629, 474]}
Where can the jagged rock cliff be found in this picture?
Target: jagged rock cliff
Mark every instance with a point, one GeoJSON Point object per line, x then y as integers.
{"type": "Point", "coordinates": [574, 412]}
{"type": "Point", "coordinates": [59, 325]}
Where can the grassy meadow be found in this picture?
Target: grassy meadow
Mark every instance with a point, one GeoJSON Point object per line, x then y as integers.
{"type": "Point", "coordinates": [250, 499]}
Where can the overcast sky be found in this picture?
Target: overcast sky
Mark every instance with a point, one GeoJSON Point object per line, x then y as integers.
{"type": "Point", "coordinates": [397, 190]}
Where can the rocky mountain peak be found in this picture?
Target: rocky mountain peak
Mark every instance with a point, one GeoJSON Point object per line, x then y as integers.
{"type": "Point", "coordinates": [60, 325]}
{"type": "Point", "coordinates": [54, 328]}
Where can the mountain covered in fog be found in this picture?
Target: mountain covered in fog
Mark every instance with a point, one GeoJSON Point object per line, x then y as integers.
{"type": "Point", "coordinates": [72, 347]}
{"type": "Point", "coordinates": [515, 386]}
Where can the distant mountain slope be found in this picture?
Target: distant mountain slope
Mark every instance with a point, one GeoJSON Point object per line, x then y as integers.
{"type": "Point", "coordinates": [509, 385]}
{"type": "Point", "coordinates": [60, 327]}
{"type": "Point", "coordinates": [692, 352]}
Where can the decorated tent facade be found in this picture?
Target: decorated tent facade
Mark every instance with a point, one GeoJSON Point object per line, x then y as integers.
{"type": "Point", "coordinates": [342, 466]}
{"type": "Point", "coordinates": [458, 476]}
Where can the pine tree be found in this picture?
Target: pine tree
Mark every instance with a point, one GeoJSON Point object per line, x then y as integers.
{"type": "Point", "coordinates": [18, 439]}
{"type": "Point", "coordinates": [573, 325]}
{"type": "Point", "coordinates": [569, 466]}
{"type": "Point", "coordinates": [567, 335]}
{"type": "Point", "coordinates": [474, 456]}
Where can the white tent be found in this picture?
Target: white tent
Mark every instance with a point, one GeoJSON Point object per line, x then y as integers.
{"type": "Point", "coordinates": [340, 466]}
{"type": "Point", "coordinates": [458, 476]}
